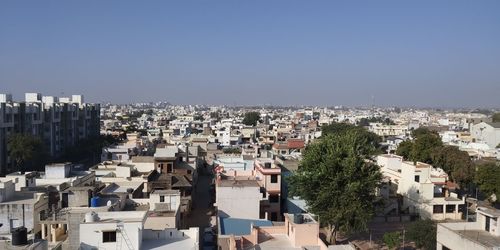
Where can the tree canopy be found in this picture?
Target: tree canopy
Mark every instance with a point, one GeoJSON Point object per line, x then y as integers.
{"type": "Point", "coordinates": [392, 239]}
{"type": "Point", "coordinates": [421, 148]}
{"type": "Point", "coordinates": [424, 144]}
{"type": "Point", "coordinates": [423, 233]}
{"type": "Point", "coordinates": [496, 117]}
{"type": "Point", "coordinates": [337, 182]}
{"type": "Point", "coordinates": [342, 128]}
{"type": "Point", "coordinates": [404, 149]}
{"type": "Point", "coordinates": [366, 121]}
{"type": "Point", "coordinates": [488, 179]}
{"type": "Point", "coordinates": [428, 147]}
{"type": "Point", "coordinates": [455, 162]}
{"type": "Point", "coordinates": [251, 118]}
{"type": "Point", "coordinates": [27, 151]}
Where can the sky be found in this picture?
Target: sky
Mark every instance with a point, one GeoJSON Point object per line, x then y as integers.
{"type": "Point", "coordinates": [356, 53]}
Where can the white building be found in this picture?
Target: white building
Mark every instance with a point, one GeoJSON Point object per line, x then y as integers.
{"type": "Point", "coordinates": [21, 208]}
{"type": "Point", "coordinates": [487, 132]}
{"type": "Point", "coordinates": [388, 130]}
{"type": "Point", "coordinates": [424, 188]}
{"type": "Point", "coordinates": [125, 231]}
{"type": "Point", "coordinates": [238, 198]}
{"type": "Point", "coordinates": [483, 234]}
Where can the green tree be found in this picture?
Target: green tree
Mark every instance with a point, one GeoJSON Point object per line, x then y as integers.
{"type": "Point", "coordinates": [342, 128]}
{"type": "Point", "coordinates": [392, 239]}
{"type": "Point", "coordinates": [231, 150]}
{"type": "Point", "coordinates": [496, 117]}
{"type": "Point", "coordinates": [251, 118]}
{"type": "Point", "coordinates": [198, 118]}
{"type": "Point", "coordinates": [404, 149]}
{"type": "Point", "coordinates": [425, 143]}
{"type": "Point", "coordinates": [337, 182]}
{"type": "Point", "coordinates": [423, 233]}
{"type": "Point", "coordinates": [27, 151]}
{"type": "Point", "coordinates": [423, 131]}
{"type": "Point", "coordinates": [488, 179]}
{"type": "Point", "coordinates": [455, 163]}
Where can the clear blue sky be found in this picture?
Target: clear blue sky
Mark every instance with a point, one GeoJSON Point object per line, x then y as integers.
{"type": "Point", "coordinates": [409, 53]}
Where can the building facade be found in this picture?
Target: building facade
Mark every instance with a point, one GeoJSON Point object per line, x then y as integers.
{"type": "Point", "coordinates": [59, 122]}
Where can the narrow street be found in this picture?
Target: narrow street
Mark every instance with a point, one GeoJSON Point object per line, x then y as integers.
{"type": "Point", "coordinates": [202, 206]}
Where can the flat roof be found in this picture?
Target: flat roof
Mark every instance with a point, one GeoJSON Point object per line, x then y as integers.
{"type": "Point", "coordinates": [125, 216]}
{"type": "Point", "coordinates": [482, 237]}
{"type": "Point", "coordinates": [238, 226]}
{"type": "Point", "coordinates": [238, 183]}
{"type": "Point", "coordinates": [277, 241]}
{"type": "Point", "coordinates": [169, 243]}
{"type": "Point", "coordinates": [158, 191]}
{"type": "Point", "coordinates": [121, 187]}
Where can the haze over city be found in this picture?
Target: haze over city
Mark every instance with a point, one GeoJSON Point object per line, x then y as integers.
{"type": "Point", "coordinates": [387, 53]}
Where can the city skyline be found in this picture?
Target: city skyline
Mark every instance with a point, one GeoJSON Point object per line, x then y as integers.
{"type": "Point", "coordinates": [425, 54]}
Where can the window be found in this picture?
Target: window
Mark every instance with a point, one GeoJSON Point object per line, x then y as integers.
{"type": "Point", "coordinates": [274, 198]}
{"type": "Point", "coordinates": [274, 216]}
{"type": "Point", "coordinates": [450, 208]}
{"type": "Point", "coordinates": [417, 178]}
{"type": "Point", "coordinates": [274, 178]}
{"type": "Point", "coordinates": [437, 209]}
{"type": "Point", "coordinates": [162, 198]}
{"type": "Point", "coordinates": [109, 236]}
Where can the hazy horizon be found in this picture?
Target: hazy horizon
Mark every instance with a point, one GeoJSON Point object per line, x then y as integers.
{"type": "Point", "coordinates": [316, 53]}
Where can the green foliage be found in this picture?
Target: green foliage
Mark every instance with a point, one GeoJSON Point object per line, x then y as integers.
{"type": "Point", "coordinates": [337, 182]}
{"type": "Point", "coordinates": [423, 131]}
{"type": "Point", "coordinates": [488, 179]}
{"type": "Point", "coordinates": [231, 150]}
{"type": "Point", "coordinates": [342, 128]}
{"type": "Point", "coordinates": [88, 149]}
{"type": "Point", "coordinates": [251, 118]}
{"type": "Point", "coordinates": [425, 143]}
{"type": "Point", "coordinates": [215, 115]}
{"type": "Point", "coordinates": [198, 118]}
{"type": "Point", "coordinates": [27, 151]}
{"type": "Point", "coordinates": [423, 233]}
{"type": "Point", "coordinates": [404, 149]}
{"type": "Point", "coordinates": [366, 121]}
{"type": "Point", "coordinates": [455, 162]}
{"type": "Point", "coordinates": [428, 147]}
{"type": "Point", "coordinates": [496, 117]}
{"type": "Point", "coordinates": [392, 239]}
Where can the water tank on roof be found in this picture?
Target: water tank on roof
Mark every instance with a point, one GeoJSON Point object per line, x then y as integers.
{"type": "Point", "coordinates": [19, 236]}
{"type": "Point", "coordinates": [91, 217]}
{"type": "Point", "coordinates": [95, 201]}
{"type": "Point", "coordinates": [298, 219]}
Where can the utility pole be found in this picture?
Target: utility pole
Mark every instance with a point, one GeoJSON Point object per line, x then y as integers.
{"type": "Point", "coordinates": [403, 238]}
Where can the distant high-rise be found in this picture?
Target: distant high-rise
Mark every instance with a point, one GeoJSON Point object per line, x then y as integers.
{"type": "Point", "coordinates": [59, 122]}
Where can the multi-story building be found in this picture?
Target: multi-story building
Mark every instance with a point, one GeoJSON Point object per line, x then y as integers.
{"type": "Point", "coordinates": [425, 190]}
{"type": "Point", "coordinates": [268, 175]}
{"type": "Point", "coordinates": [262, 188]}
{"type": "Point", "coordinates": [487, 132]}
{"type": "Point", "coordinates": [388, 130]}
{"type": "Point", "coordinates": [59, 122]}
{"type": "Point", "coordinates": [483, 234]}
